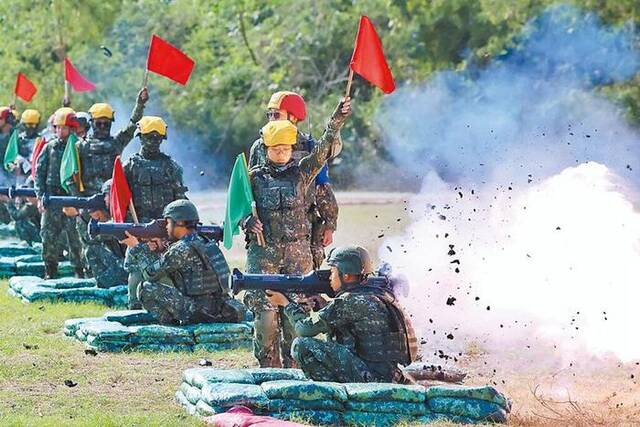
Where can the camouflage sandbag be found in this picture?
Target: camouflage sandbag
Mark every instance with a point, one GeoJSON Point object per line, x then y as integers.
{"type": "Point", "coordinates": [7, 230]}
{"type": "Point", "coordinates": [171, 339]}
{"type": "Point", "coordinates": [38, 293]}
{"type": "Point", "coordinates": [389, 406]}
{"type": "Point", "coordinates": [357, 418]}
{"type": "Point", "coordinates": [37, 268]}
{"type": "Point", "coordinates": [72, 325]}
{"type": "Point", "coordinates": [304, 390]}
{"type": "Point", "coordinates": [198, 377]}
{"type": "Point", "coordinates": [261, 375]}
{"type": "Point", "coordinates": [130, 317]}
{"type": "Point", "coordinates": [279, 405]}
{"type": "Point", "coordinates": [119, 297]}
{"type": "Point", "coordinates": [479, 410]}
{"type": "Point", "coordinates": [160, 331]}
{"type": "Point", "coordinates": [222, 395]}
{"type": "Point", "coordinates": [487, 393]}
{"type": "Point", "coordinates": [220, 328]}
{"type": "Point", "coordinates": [193, 394]}
{"type": "Point", "coordinates": [107, 344]}
{"type": "Point", "coordinates": [106, 329]}
{"type": "Point", "coordinates": [205, 410]}
{"type": "Point", "coordinates": [29, 258]}
{"type": "Point", "coordinates": [69, 283]}
{"type": "Point", "coordinates": [162, 348]}
{"type": "Point", "coordinates": [17, 249]}
{"type": "Point", "coordinates": [211, 347]}
{"type": "Point", "coordinates": [222, 338]}
{"type": "Point", "coordinates": [365, 392]}
{"type": "Point", "coordinates": [18, 282]}
{"type": "Point", "coordinates": [182, 400]}
{"type": "Point", "coordinates": [331, 418]}
{"type": "Point", "coordinates": [433, 418]}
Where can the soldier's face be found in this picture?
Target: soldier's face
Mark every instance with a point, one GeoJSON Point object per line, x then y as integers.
{"type": "Point", "coordinates": [334, 279]}
{"type": "Point", "coordinates": [274, 114]}
{"type": "Point", "coordinates": [30, 129]}
{"type": "Point", "coordinates": [99, 215]}
{"type": "Point", "coordinates": [280, 154]}
{"type": "Point", "coordinates": [102, 127]}
{"type": "Point", "coordinates": [63, 132]}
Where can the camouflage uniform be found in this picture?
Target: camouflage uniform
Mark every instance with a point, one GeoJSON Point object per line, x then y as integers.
{"type": "Point", "coordinates": [368, 335]}
{"type": "Point", "coordinates": [103, 255]}
{"type": "Point", "coordinates": [5, 178]}
{"type": "Point", "coordinates": [283, 205]}
{"type": "Point", "coordinates": [197, 273]}
{"type": "Point", "coordinates": [54, 222]}
{"type": "Point", "coordinates": [323, 211]}
{"type": "Point", "coordinates": [27, 220]}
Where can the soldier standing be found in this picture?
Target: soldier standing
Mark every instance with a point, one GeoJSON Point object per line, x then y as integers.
{"type": "Point", "coordinates": [368, 332]}
{"type": "Point", "coordinates": [280, 189]}
{"type": "Point", "coordinates": [54, 222]}
{"type": "Point", "coordinates": [195, 269]}
{"type": "Point", "coordinates": [323, 211]}
{"type": "Point", "coordinates": [155, 181]}
{"type": "Point", "coordinates": [24, 212]}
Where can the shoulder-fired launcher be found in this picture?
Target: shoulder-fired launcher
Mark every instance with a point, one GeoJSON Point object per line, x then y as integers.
{"type": "Point", "coordinates": [154, 229]}
{"type": "Point", "coordinates": [94, 202]}
{"type": "Point", "coordinates": [13, 192]}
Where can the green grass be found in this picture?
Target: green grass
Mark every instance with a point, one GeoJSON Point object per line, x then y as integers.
{"type": "Point", "coordinates": [126, 389]}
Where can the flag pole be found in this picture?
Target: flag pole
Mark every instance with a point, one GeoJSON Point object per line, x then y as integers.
{"type": "Point", "coordinates": [15, 101]}
{"type": "Point", "coordinates": [259, 235]}
{"type": "Point", "coordinates": [132, 211]}
{"type": "Point", "coordinates": [66, 102]}
{"type": "Point", "coordinates": [145, 79]}
{"type": "Point", "coordinates": [349, 81]}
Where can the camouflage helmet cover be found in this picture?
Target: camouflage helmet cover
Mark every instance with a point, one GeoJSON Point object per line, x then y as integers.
{"type": "Point", "coordinates": [181, 210]}
{"type": "Point", "coordinates": [351, 260]}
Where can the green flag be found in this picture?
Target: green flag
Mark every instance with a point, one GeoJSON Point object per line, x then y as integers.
{"type": "Point", "coordinates": [11, 153]}
{"type": "Point", "coordinates": [70, 169]}
{"type": "Point", "coordinates": [239, 200]}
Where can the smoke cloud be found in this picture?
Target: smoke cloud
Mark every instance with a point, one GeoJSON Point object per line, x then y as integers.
{"type": "Point", "coordinates": [525, 229]}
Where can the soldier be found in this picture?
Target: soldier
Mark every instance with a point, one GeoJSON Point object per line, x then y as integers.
{"type": "Point", "coordinates": [98, 151]}
{"type": "Point", "coordinates": [7, 122]}
{"type": "Point", "coordinates": [84, 124]}
{"type": "Point", "coordinates": [280, 190]}
{"type": "Point", "coordinates": [54, 222]}
{"type": "Point", "coordinates": [103, 255]}
{"type": "Point", "coordinates": [324, 207]}
{"type": "Point", "coordinates": [29, 121]}
{"type": "Point", "coordinates": [368, 332]}
{"type": "Point", "coordinates": [193, 269]}
{"type": "Point", "coordinates": [24, 211]}
{"type": "Point", "coordinates": [155, 181]}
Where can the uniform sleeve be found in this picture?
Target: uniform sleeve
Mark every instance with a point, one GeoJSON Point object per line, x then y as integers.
{"type": "Point", "coordinates": [153, 266]}
{"type": "Point", "coordinates": [327, 206]}
{"type": "Point", "coordinates": [179, 189]}
{"type": "Point", "coordinates": [125, 136]}
{"type": "Point", "coordinates": [311, 165]}
{"type": "Point", "coordinates": [40, 183]}
{"type": "Point", "coordinates": [257, 154]}
{"type": "Point", "coordinates": [307, 325]}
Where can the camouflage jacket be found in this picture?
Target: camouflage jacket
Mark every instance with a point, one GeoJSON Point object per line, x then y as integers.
{"type": "Point", "coordinates": [26, 144]}
{"type": "Point", "coordinates": [154, 184]}
{"type": "Point", "coordinates": [109, 242]}
{"type": "Point", "coordinates": [22, 210]}
{"type": "Point", "coordinates": [194, 265]}
{"type": "Point", "coordinates": [281, 192]}
{"type": "Point", "coordinates": [48, 169]}
{"type": "Point", "coordinates": [97, 155]}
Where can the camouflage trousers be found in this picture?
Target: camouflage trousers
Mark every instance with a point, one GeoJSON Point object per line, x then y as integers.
{"type": "Point", "coordinates": [317, 246]}
{"type": "Point", "coordinates": [52, 225]}
{"type": "Point", "coordinates": [105, 266]}
{"type": "Point", "coordinates": [172, 307]}
{"type": "Point", "coordinates": [330, 361]}
{"type": "Point", "coordinates": [5, 216]}
{"type": "Point", "coordinates": [272, 331]}
{"type": "Point", "coordinates": [27, 231]}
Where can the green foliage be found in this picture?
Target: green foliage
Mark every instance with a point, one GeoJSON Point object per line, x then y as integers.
{"type": "Point", "coordinates": [247, 49]}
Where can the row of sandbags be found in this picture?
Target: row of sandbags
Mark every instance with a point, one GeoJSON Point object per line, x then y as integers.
{"type": "Point", "coordinates": [66, 289]}
{"type": "Point", "coordinates": [8, 231]}
{"type": "Point", "coordinates": [136, 330]}
{"type": "Point", "coordinates": [288, 394]}
{"type": "Point", "coordinates": [19, 259]}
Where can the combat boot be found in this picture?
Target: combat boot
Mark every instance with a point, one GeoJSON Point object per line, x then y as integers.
{"type": "Point", "coordinates": [78, 273]}
{"type": "Point", "coordinates": [50, 270]}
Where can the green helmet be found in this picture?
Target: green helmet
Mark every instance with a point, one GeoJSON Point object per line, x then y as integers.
{"type": "Point", "coordinates": [181, 210]}
{"type": "Point", "coordinates": [351, 260]}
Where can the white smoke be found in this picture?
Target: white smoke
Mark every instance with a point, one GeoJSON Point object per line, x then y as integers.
{"type": "Point", "coordinates": [525, 229]}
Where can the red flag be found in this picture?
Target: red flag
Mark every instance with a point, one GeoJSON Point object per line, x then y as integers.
{"type": "Point", "coordinates": [25, 89]}
{"type": "Point", "coordinates": [368, 58]}
{"type": "Point", "coordinates": [120, 194]}
{"type": "Point", "coordinates": [78, 82]}
{"type": "Point", "coordinates": [37, 149]}
{"type": "Point", "coordinates": [167, 60]}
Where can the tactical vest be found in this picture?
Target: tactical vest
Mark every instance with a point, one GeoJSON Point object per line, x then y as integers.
{"type": "Point", "coordinates": [282, 203]}
{"type": "Point", "coordinates": [202, 278]}
{"type": "Point", "coordinates": [55, 150]}
{"type": "Point", "coordinates": [25, 144]}
{"type": "Point", "coordinates": [153, 183]}
{"type": "Point", "coordinates": [97, 157]}
{"type": "Point", "coordinates": [396, 343]}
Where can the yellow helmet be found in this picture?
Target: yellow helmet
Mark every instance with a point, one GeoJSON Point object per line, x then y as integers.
{"type": "Point", "coordinates": [101, 110]}
{"type": "Point", "coordinates": [279, 132]}
{"type": "Point", "coordinates": [65, 116]}
{"type": "Point", "coordinates": [30, 117]}
{"type": "Point", "coordinates": [148, 124]}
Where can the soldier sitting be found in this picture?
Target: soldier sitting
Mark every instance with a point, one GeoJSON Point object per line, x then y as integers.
{"type": "Point", "coordinates": [368, 333]}
{"type": "Point", "coordinates": [192, 268]}
{"type": "Point", "coordinates": [24, 211]}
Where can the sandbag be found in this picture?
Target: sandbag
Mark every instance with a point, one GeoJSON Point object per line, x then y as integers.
{"type": "Point", "coordinates": [261, 375]}
{"type": "Point", "coordinates": [192, 394]}
{"type": "Point", "coordinates": [119, 298]}
{"type": "Point", "coordinates": [210, 347]}
{"type": "Point", "coordinates": [304, 390]}
{"type": "Point", "coordinates": [199, 377]}
{"type": "Point", "coordinates": [434, 418]}
{"type": "Point", "coordinates": [129, 317]}
{"type": "Point", "coordinates": [384, 391]}
{"type": "Point", "coordinates": [279, 405]}
{"type": "Point", "coordinates": [228, 395]}
{"type": "Point", "coordinates": [480, 410]}
{"type": "Point", "coordinates": [219, 328]}
{"type": "Point", "coordinates": [182, 400]}
{"type": "Point", "coordinates": [222, 338]}
{"type": "Point", "coordinates": [104, 328]}
{"type": "Point", "coordinates": [205, 410]}
{"type": "Point", "coordinates": [487, 393]}
{"type": "Point", "coordinates": [69, 283]}
{"type": "Point", "coordinates": [29, 258]}
{"type": "Point", "coordinates": [389, 406]}
{"type": "Point", "coordinates": [161, 348]}
{"type": "Point", "coordinates": [311, 416]}
{"type": "Point", "coordinates": [171, 339]}
{"type": "Point", "coordinates": [17, 249]}
{"type": "Point", "coordinates": [18, 282]}
{"type": "Point", "coordinates": [72, 325]}
{"type": "Point", "coordinates": [107, 344]}
{"type": "Point", "coordinates": [241, 416]}
{"type": "Point", "coordinates": [358, 418]}
{"type": "Point", "coordinates": [159, 331]}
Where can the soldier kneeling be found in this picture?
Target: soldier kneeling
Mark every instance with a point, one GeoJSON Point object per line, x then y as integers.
{"type": "Point", "coordinates": [368, 333]}
{"type": "Point", "coordinates": [185, 284]}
